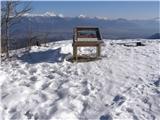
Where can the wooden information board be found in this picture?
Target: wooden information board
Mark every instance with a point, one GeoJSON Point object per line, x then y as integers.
{"type": "Point", "coordinates": [86, 37]}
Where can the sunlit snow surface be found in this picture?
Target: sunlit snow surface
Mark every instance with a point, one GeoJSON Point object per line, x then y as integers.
{"type": "Point", "coordinates": [123, 85]}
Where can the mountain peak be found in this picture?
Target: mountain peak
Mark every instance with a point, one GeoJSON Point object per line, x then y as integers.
{"type": "Point", "coordinates": [60, 15]}
{"type": "Point", "coordinates": [102, 18]}
{"type": "Point", "coordinates": [82, 16]}
{"type": "Point", "coordinates": [49, 14]}
{"type": "Point", "coordinates": [155, 36]}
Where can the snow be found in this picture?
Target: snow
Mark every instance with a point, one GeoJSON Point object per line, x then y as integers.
{"type": "Point", "coordinates": [48, 13]}
{"type": "Point", "coordinates": [82, 16]}
{"type": "Point", "coordinates": [101, 18]}
{"type": "Point", "coordinates": [123, 85]}
{"type": "Point", "coordinates": [61, 15]}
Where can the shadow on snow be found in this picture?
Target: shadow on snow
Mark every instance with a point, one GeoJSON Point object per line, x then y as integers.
{"type": "Point", "coordinates": [50, 56]}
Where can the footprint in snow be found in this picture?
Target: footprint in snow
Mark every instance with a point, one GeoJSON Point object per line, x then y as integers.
{"type": "Point", "coordinates": [157, 83]}
{"type": "Point", "coordinates": [45, 85]}
{"type": "Point", "coordinates": [84, 83]}
{"type": "Point", "coordinates": [119, 100]}
{"type": "Point", "coordinates": [86, 92]}
{"type": "Point", "coordinates": [106, 117]}
{"type": "Point", "coordinates": [22, 72]}
{"type": "Point", "coordinates": [16, 116]}
{"type": "Point", "coordinates": [129, 110]}
{"type": "Point", "coordinates": [29, 114]}
{"type": "Point", "coordinates": [32, 70]}
{"type": "Point", "coordinates": [62, 93]}
{"type": "Point", "coordinates": [157, 91]}
{"type": "Point", "coordinates": [33, 78]}
{"type": "Point", "coordinates": [50, 76]}
{"type": "Point", "coordinates": [52, 111]}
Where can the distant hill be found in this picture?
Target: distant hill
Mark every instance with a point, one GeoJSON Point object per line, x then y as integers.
{"type": "Point", "coordinates": [155, 36]}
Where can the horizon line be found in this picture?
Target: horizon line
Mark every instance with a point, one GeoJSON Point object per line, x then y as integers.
{"type": "Point", "coordinates": [82, 16]}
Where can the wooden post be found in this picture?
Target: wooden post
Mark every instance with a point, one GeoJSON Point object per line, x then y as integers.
{"type": "Point", "coordinates": [75, 52]}
{"type": "Point", "coordinates": [98, 50]}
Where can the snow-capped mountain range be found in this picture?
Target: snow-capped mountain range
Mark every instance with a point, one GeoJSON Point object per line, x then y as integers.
{"type": "Point", "coordinates": [53, 14]}
{"type": "Point", "coordinates": [59, 26]}
{"type": "Point", "coordinates": [46, 14]}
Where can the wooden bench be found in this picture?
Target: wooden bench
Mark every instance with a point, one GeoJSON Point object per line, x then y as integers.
{"type": "Point", "coordinates": [86, 37]}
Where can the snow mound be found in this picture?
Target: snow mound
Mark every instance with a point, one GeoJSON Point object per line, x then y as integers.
{"type": "Point", "coordinates": [123, 85]}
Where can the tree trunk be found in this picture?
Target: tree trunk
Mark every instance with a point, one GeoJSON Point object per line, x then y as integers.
{"type": "Point", "coordinates": [7, 40]}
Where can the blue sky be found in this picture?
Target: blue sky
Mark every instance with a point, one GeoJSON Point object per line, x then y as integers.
{"type": "Point", "coordinates": [109, 9]}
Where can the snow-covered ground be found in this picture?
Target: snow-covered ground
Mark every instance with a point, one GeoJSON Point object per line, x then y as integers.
{"type": "Point", "coordinates": [123, 85]}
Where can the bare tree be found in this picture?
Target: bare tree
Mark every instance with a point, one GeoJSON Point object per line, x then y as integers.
{"type": "Point", "coordinates": [11, 13]}
{"type": "Point", "coordinates": [31, 39]}
{"type": "Point", "coordinates": [46, 34]}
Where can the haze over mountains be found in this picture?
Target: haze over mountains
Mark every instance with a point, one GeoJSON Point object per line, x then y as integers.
{"type": "Point", "coordinates": [59, 27]}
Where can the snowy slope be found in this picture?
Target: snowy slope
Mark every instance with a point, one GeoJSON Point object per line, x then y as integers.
{"type": "Point", "coordinates": [123, 85]}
